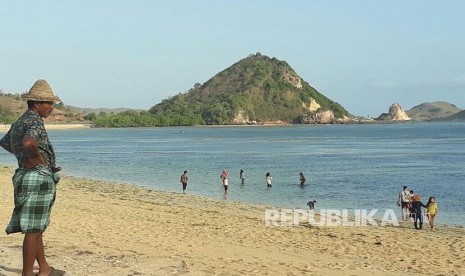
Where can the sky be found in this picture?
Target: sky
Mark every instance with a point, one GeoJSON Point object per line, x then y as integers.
{"type": "Point", "coordinates": [365, 55]}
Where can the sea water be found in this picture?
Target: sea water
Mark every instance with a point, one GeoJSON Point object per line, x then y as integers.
{"type": "Point", "coordinates": [346, 166]}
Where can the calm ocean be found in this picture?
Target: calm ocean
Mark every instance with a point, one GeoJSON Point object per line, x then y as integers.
{"type": "Point", "coordinates": [346, 166]}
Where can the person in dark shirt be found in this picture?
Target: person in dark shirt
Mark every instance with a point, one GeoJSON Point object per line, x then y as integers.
{"type": "Point", "coordinates": [302, 179]}
{"type": "Point", "coordinates": [184, 179]}
{"type": "Point", "coordinates": [35, 179]}
{"type": "Point", "coordinates": [416, 211]}
{"type": "Point", "coordinates": [311, 204]}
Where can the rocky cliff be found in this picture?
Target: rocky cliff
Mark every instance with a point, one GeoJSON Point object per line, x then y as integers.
{"type": "Point", "coordinates": [396, 113]}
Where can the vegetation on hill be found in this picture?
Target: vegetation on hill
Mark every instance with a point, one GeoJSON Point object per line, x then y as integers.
{"type": "Point", "coordinates": [87, 110]}
{"type": "Point", "coordinates": [257, 88]}
{"type": "Point", "coordinates": [459, 116]}
{"type": "Point", "coordinates": [12, 106]}
{"type": "Point", "coordinates": [133, 118]}
{"type": "Point", "coordinates": [432, 111]}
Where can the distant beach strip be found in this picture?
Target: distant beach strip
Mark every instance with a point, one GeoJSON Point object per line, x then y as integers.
{"type": "Point", "coordinates": [5, 128]}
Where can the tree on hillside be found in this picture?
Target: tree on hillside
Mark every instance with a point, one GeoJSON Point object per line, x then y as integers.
{"type": "Point", "coordinates": [266, 89]}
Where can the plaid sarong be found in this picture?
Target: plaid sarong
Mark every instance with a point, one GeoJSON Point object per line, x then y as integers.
{"type": "Point", "coordinates": [34, 195]}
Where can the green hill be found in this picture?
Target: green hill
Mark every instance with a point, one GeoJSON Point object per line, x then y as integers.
{"type": "Point", "coordinates": [432, 111]}
{"type": "Point", "coordinates": [12, 106]}
{"type": "Point", "coordinates": [255, 89]}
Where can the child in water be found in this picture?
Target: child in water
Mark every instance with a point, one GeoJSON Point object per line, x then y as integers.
{"type": "Point", "coordinates": [431, 211]}
{"type": "Point", "coordinates": [268, 180]}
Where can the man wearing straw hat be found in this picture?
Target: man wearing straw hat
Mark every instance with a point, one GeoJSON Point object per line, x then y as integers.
{"type": "Point", "coordinates": [35, 179]}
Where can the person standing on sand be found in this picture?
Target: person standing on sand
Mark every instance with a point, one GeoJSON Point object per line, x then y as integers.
{"type": "Point", "coordinates": [224, 180]}
{"type": "Point", "coordinates": [431, 211]}
{"type": "Point", "coordinates": [402, 201]}
{"type": "Point", "coordinates": [416, 211]}
{"type": "Point", "coordinates": [36, 177]}
{"type": "Point", "coordinates": [302, 179]}
{"type": "Point", "coordinates": [268, 179]}
{"type": "Point", "coordinates": [184, 179]}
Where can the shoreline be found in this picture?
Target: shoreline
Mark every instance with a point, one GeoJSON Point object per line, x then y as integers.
{"type": "Point", "coordinates": [210, 197]}
{"type": "Point", "coordinates": [62, 126]}
{"type": "Point", "coordinates": [6, 127]}
{"type": "Point", "coordinates": [101, 228]}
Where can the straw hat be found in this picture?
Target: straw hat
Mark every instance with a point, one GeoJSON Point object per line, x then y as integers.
{"type": "Point", "coordinates": [42, 92]}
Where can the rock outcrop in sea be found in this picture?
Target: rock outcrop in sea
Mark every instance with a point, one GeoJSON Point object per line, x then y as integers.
{"type": "Point", "coordinates": [396, 113]}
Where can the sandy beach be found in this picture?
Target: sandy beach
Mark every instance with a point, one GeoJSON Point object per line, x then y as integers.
{"type": "Point", "coordinates": [100, 228]}
{"type": "Point", "coordinates": [5, 128]}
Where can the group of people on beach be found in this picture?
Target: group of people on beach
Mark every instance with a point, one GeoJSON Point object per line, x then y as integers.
{"type": "Point", "coordinates": [411, 208]}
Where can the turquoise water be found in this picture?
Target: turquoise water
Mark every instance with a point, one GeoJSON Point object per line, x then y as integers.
{"type": "Point", "coordinates": [346, 166]}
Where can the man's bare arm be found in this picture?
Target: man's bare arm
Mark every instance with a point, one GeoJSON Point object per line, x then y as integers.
{"type": "Point", "coordinates": [33, 155]}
